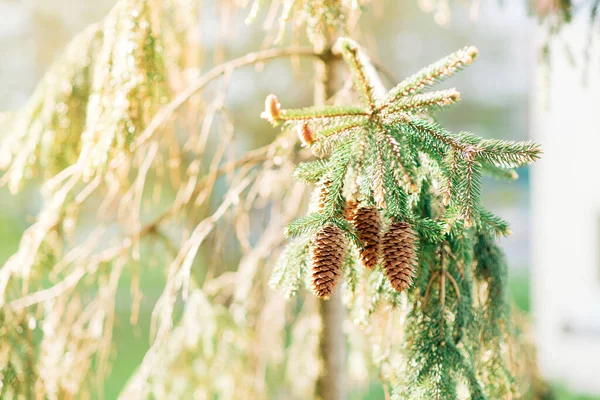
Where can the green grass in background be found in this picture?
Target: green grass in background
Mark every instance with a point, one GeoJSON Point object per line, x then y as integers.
{"type": "Point", "coordinates": [12, 224]}
{"type": "Point", "coordinates": [519, 288]}
{"type": "Point", "coordinates": [563, 393]}
{"type": "Point", "coordinates": [132, 342]}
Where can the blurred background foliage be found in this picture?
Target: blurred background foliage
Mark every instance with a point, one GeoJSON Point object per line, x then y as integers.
{"type": "Point", "coordinates": [34, 32]}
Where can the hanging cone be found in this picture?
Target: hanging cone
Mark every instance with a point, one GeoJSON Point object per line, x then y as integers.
{"type": "Point", "coordinates": [367, 222]}
{"type": "Point", "coordinates": [399, 255]}
{"type": "Point", "coordinates": [327, 256]}
{"type": "Point", "coordinates": [351, 207]}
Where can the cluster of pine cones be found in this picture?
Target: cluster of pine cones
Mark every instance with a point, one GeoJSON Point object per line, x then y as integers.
{"type": "Point", "coordinates": [396, 248]}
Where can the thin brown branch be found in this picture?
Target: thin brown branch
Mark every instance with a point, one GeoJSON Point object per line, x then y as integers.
{"type": "Point", "coordinates": [431, 280]}
{"type": "Point", "coordinates": [458, 263]}
{"type": "Point", "coordinates": [178, 278]}
{"type": "Point", "coordinates": [453, 281]}
{"type": "Point", "coordinates": [166, 241]}
{"type": "Point", "coordinates": [48, 294]}
{"type": "Point", "coordinates": [386, 388]}
{"type": "Point", "coordinates": [443, 282]}
{"type": "Point", "coordinates": [167, 111]}
{"type": "Point", "coordinates": [299, 118]}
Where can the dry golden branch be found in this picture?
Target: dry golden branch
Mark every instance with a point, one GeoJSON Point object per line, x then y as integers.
{"type": "Point", "coordinates": [251, 58]}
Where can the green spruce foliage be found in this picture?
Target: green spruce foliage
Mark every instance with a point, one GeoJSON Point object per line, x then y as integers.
{"type": "Point", "coordinates": [151, 219]}
{"type": "Point", "coordinates": [389, 153]}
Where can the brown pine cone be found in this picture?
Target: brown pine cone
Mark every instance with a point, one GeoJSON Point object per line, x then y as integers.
{"type": "Point", "coordinates": [328, 251]}
{"type": "Point", "coordinates": [351, 207]}
{"type": "Point", "coordinates": [367, 222]}
{"type": "Point", "coordinates": [399, 255]}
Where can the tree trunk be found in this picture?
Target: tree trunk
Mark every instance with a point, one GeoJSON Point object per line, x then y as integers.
{"type": "Point", "coordinates": [332, 346]}
{"type": "Point", "coordinates": [332, 342]}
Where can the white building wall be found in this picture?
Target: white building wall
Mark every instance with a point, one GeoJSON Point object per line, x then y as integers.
{"type": "Point", "coordinates": [566, 213]}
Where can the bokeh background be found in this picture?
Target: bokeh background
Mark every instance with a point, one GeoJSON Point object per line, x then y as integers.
{"type": "Point", "coordinates": [497, 93]}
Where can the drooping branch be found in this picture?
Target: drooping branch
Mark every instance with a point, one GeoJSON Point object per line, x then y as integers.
{"type": "Point", "coordinates": [112, 253]}
{"type": "Point", "coordinates": [168, 110]}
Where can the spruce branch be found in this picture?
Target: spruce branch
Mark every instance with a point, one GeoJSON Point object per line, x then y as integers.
{"type": "Point", "coordinates": [389, 159]}
{"type": "Point", "coordinates": [508, 154]}
{"type": "Point", "coordinates": [405, 164]}
{"type": "Point", "coordinates": [378, 172]}
{"type": "Point", "coordinates": [499, 173]}
{"type": "Point", "coordinates": [396, 198]}
{"type": "Point", "coordinates": [494, 224]}
{"type": "Point", "coordinates": [427, 229]}
{"type": "Point", "coordinates": [429, 132]}
{"type": "Point", "coordinates": [328, 138]}
{"type": "Point", "coordinates": [469, 189]}
{"type": "Point", "coordinates": [351, 54]}
{"type": "Point", "coordinates": [322, 114]}
{"type": "Point", "coordinates": [384, 166]}
{"type": "Point", "coordinates": [432, 74]}
{"type": "Point", "coordinates": [311, 172]}
{"type": "Point", "coordinates": [425, 102]}
{"type": "Point", "coordinates": [304, 225]}
{"type": "Point", "coordinates": [453, 168]}
{"type": "Point", "coordinates": [380, 143]}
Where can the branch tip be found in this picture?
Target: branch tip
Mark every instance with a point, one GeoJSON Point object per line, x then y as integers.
{"type": "Point", "coordinates": [272, 109]}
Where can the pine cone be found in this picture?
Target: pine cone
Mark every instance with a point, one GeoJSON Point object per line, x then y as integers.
{"type": "Point", "coordinates": [351, 207]}
{"type": "Point", "coordinates": [327, 256]}
{"type": "Point", "coordinates": [399, 255]}
{"type": "Point", "coordinates": [367, 222]}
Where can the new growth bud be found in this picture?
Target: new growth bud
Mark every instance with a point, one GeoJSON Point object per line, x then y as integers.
{"type": "Point", "coordinates": [272, 109]}
{"type": "Point", "coordinates": [305, 135]}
